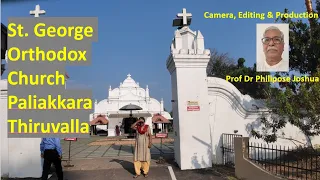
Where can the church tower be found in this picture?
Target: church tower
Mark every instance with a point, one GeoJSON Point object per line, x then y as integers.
{"type": "Point", "coordinates": [187, 64]}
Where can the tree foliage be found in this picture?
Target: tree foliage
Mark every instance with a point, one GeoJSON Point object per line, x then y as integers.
{"type": "Point", "coordinates": [297, 104]}
{"type": "Point", "coordinates": [221, 65]}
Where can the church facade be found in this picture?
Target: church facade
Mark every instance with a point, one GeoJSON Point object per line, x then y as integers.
{"type": "Point", "coordinates": [129, 92]}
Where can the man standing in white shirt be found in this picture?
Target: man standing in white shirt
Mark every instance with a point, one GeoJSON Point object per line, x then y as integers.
{"type": "Point", "coordinates": [273, 47]}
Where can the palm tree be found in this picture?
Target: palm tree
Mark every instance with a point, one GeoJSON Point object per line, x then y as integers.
{"type": "Point", "coordinates": [309, 5]}
{"type": "Point", "coordinates": [309, 9]}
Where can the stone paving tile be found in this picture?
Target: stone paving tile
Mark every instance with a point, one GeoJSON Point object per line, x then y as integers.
{"type": "Point", "coordinates": [84, 152]}
{"type": "Point", "coordinates": [103, 148]}
{"type": "Point", "coordinates": [170, 146]}
{"type": "Point", "coordinates": [92, 148]}
{"type": "Point", "coordinates": [79, 149]}
{"type": "Point", "coordinates": [97, 153]}
{"type": "Point", "coordinates": [112, 152]}
{"type": "Point", "coordinates": [82, 149]}
{"type": "Point", "coordinates": [93, 156]}
{"type": "Point", "coordinates": [163, 146]}
{"type": "Point", "coordinates": [154, 151]}
{"type": "Point", "coordinates": [116, 147]}
{"type": "Point", "coordinates": [81, 155]}
{"type": "Point", "coordinates": [101, 152]}
{"type": "Point", "coordinates": [157, 173]}
{"type": "Point", "coordinates": [126, 154]}
{"type": "Point", "coordinates": [126, 149]}
{"type": "Point", "coordinates": [122, 152]}
{"type": "Point", "coordinates": [110, 155]}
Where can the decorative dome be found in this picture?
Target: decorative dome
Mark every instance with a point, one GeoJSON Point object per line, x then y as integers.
{"type": "Point", "coordinates": [129, 82]}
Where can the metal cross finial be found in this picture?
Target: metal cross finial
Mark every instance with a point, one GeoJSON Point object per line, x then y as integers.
{"type": "Point", "coordinates": [184, 15]}
{"type": "Point", "coordinates": [37, 11]}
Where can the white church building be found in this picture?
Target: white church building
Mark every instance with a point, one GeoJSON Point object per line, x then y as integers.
{"type": "Point", "coordinates": [204, 108]}
{"type": "Point", "coordinates": [129, 92]}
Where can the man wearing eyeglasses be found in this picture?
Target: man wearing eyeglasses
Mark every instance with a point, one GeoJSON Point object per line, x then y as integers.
{"type": "Point", "coordinates": [273, 47]}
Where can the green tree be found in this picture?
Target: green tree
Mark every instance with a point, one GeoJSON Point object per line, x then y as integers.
{"type": "Point", "coordinates": [297, 104]}
{"type": "Point", "coordinates": [221, 65]}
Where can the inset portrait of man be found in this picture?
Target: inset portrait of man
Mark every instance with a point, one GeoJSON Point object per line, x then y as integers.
{"type": "Point", "coordinates": [274, 56]}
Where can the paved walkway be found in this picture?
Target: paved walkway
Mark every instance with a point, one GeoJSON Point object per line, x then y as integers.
{"type": "Point", "coordinates": [114, 162]}
{"type": "Point", "coordinates": [82, 149]}
{"type": "Point", "coordinates": [112, 169]}
{"type": "Point", "coordinates": [121, 168]}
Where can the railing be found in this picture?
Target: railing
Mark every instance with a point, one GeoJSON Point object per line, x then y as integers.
{"type": "Point", "coordinates": [228, 148]}
{"type": "Point", "coordinates": [287, 162]}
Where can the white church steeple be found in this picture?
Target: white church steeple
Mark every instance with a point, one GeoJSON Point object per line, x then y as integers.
{"type": "Point", "coordinates": [110, 90]}
{"type": "Point", "coordinates": [95, 103]}
{"type": "Point", "coordinates": [147, 92]}
{"type": "Point", "coordinates": [190, 42]}
{"type": "Point", "coordinates": [161, 105]}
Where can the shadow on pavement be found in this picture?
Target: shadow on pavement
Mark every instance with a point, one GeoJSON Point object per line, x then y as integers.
{"type": "Point", "coordinates": [123, 148]}
{"type": "Point", "coordinates": [157, 173]}
{"type": "Point", "coordinates": [128, 166]}
{"type": "Point", "coordinates": [217, 172]}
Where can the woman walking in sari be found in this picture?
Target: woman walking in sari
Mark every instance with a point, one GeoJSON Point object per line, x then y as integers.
{"type": "Point", "coordinates": [143, 144]}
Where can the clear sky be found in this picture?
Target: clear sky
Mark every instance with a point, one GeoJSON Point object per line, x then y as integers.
{"type": "Point", "coordinates": [135, 36]}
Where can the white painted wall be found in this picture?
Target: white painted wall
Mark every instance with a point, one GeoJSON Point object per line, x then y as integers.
{"type": "Point", "coordinates": [4, 133]}
{"type": "Point", "coordinates": [176, 122]}
{"type": "Point", "coordinates": [20, 157]}
{"type": "Point", "coordinates": [189, 81]}
{"type": "Point", "coordinates": [223, 109]}
{"type": "Point", "coordinates": [232, 110]}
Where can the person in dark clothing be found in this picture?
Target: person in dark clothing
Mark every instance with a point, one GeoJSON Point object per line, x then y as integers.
{"type": "Point", "coordinates": [51, 152]}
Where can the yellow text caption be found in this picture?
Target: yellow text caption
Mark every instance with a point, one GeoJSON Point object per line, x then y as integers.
{"type": "Point", "coordinates": [41, 30]}
{"type": "Point", "coordinates": [260, 15]}
{"type": "Point", "coordinates": [272, 79]}
{"type": "Point", "coordinates": [240, 78]}
{"type": "Point", "coordinates": [297, 15]}
{"type": "Point", "coordinates": [20, 78]}
{"type": "Point", "coordinates": [74, 126]}
{"type": "Point", "coordinates": [49, 102]}
{"type": "Point", "coordinates": [51, 55]}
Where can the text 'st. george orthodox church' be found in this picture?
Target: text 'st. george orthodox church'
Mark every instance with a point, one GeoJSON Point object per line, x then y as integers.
{"type": "Point", "coordinates": [107, 115]}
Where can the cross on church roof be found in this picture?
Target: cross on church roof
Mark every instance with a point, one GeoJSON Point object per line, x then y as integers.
{"type": "Point", "coordinates": [183, 19]}
{"type": "Point", "coordinates": [37, 11]}
{"type": "Point", "coordinates": [184, 15]}
{"type": "Point", "coordinates": [129, 75]}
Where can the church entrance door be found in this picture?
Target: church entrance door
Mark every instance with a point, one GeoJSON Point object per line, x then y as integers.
{"type": "Point", "coordinates": [127, 123]}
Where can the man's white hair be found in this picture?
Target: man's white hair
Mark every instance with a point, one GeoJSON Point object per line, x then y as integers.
{"type": "Point", "coordinates": [273, 28]}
